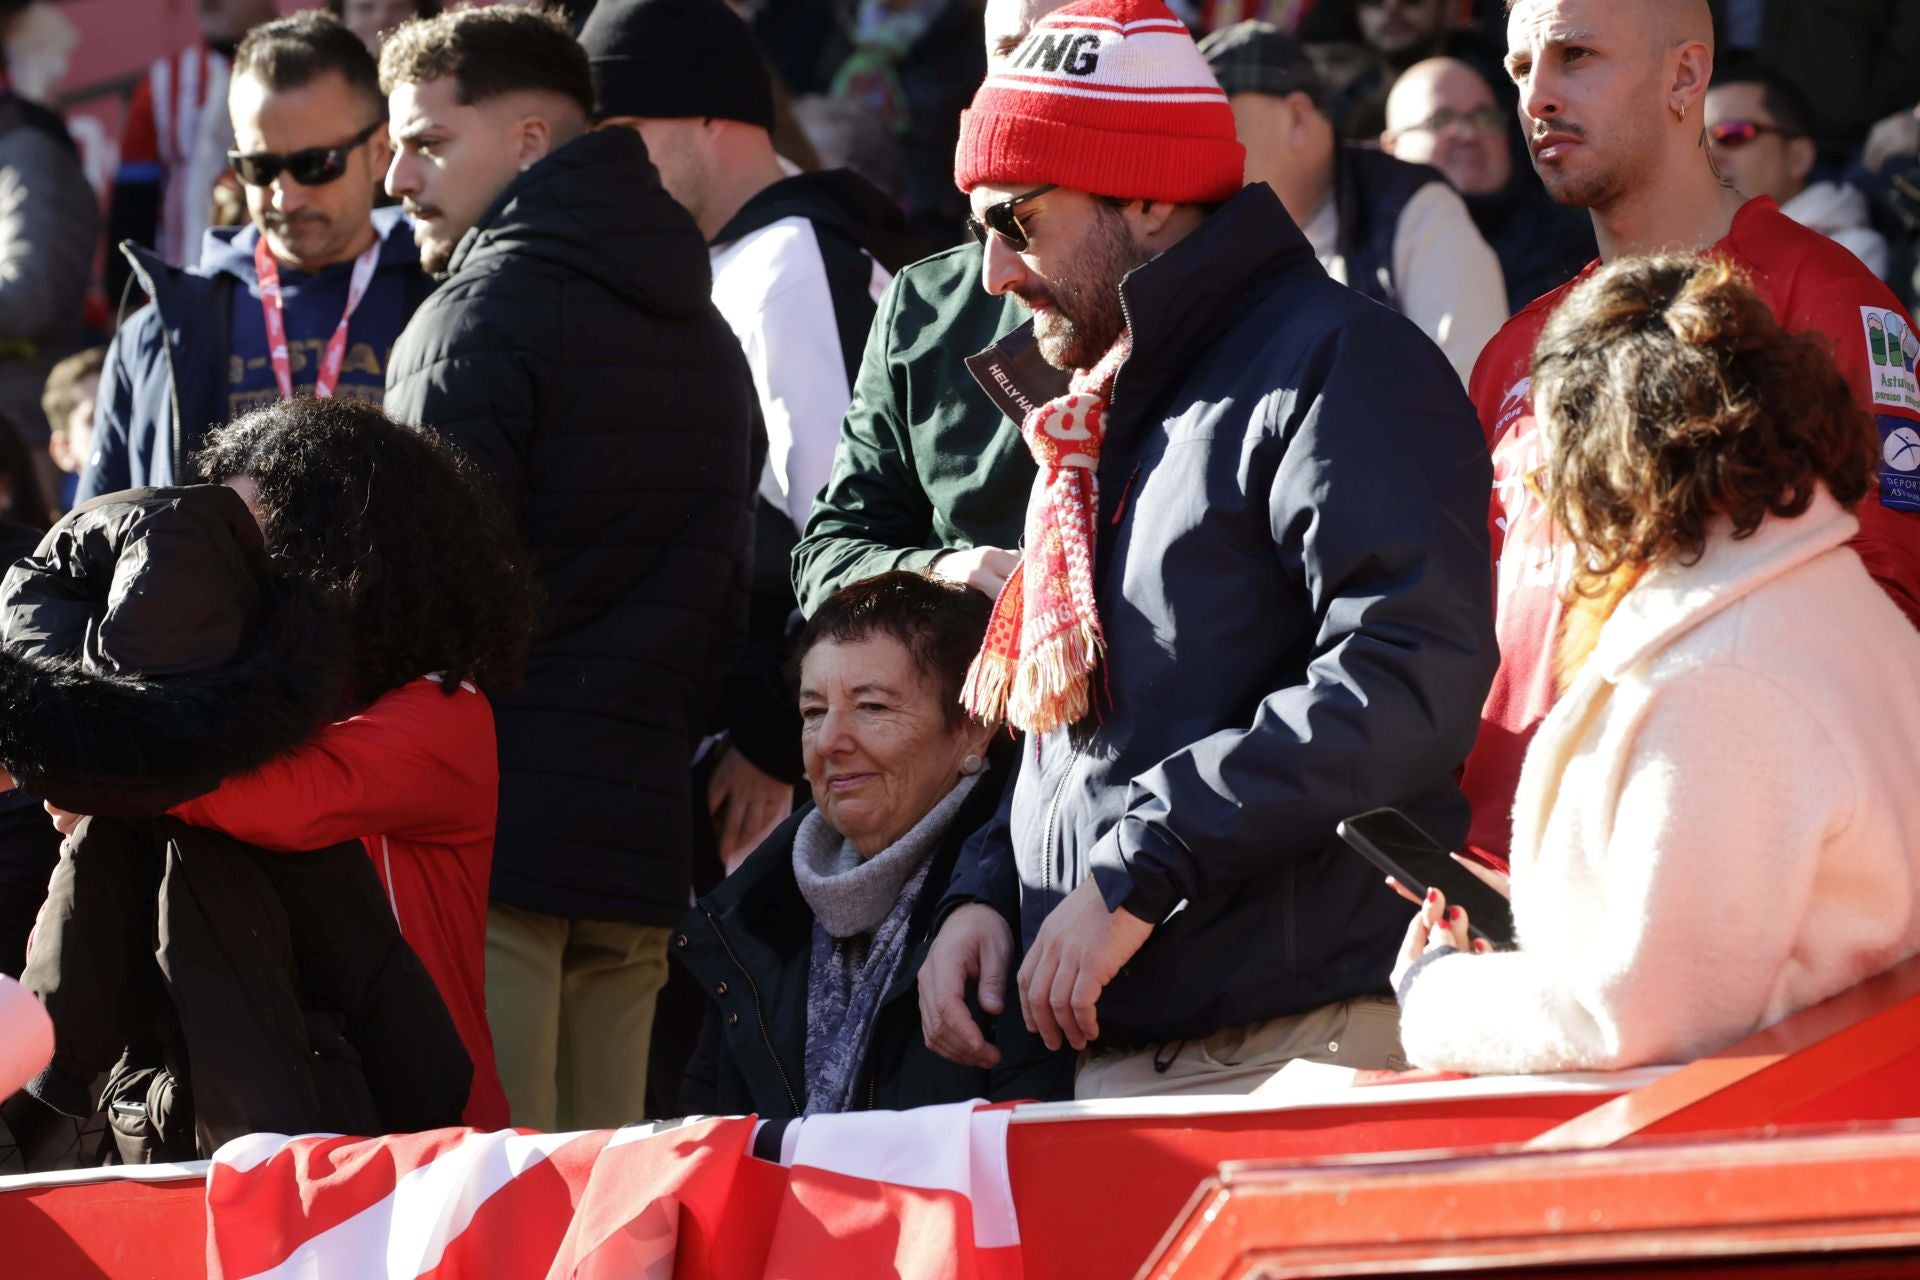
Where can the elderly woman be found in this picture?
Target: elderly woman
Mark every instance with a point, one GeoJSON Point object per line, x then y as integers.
{"type": "Point", "coordinates": [1717, 826]}
{"type": "Point", "coordinates": [810, 950]}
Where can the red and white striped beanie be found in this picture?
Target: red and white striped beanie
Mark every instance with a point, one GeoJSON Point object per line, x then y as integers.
{"type": "Point", "coordinates": [1106, 96]}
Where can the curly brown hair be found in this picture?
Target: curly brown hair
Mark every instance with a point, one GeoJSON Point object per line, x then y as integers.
{"type": "Point", "coordinates": [409, 538]}
{"type": "Point", "coordinates": [1672, 397]}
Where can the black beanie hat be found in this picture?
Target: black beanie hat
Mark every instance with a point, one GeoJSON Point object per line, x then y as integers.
{"type": "Point", "coordinates": [676, 58]}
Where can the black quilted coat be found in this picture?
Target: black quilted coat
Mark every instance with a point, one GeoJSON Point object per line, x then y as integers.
{"type": "Point", "coordinates": [573, 351]}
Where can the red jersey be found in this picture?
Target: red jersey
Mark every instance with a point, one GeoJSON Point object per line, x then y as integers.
{"type": "Point", "coordinates": [420, 769]}
{"type": "Point", "coordinates": [1811, 284]}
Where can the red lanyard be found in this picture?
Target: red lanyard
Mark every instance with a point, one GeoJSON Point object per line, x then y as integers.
{"type": "Point", "coordinates": [271, 309]}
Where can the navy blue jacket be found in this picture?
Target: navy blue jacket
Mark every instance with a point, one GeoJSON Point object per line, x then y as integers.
{"type": "Point", "coordinates": [165, 384]}
{"type": "Point", "coordinates": [1293, 577]}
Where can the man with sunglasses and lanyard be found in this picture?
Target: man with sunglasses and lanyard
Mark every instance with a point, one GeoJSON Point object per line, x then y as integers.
{"type": "Point", "coordinates": [1252, 598]}
{"type": "Point", "coordinates": [1613, 102]}
{"type": "Point", "coordinates": [307, 299]}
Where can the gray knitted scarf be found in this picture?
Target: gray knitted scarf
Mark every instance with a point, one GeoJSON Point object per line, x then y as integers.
{"type": "Point", "coordinates": [860, 912]}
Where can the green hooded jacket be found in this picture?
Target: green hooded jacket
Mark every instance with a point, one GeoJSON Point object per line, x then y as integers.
{"type": "Point", "coordinates": [927, 462]}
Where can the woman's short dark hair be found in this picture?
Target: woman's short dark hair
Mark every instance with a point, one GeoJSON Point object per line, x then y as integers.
{"type": "Point", "coordinates": [1673, 397]}
{"type": "Point", "coordinates": [940, 623]}
{"type": "Point", "coordinates": [411, 539]}
{"type": "Point", "coordinates": [501, 49]}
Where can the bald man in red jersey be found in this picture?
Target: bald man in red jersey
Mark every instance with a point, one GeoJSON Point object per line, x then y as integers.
{"type": "Point", "coordinates": [1612, 99]}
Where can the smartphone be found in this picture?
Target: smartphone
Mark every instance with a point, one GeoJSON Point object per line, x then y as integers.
{"type": "Point", "coordinates": [1390, 841]}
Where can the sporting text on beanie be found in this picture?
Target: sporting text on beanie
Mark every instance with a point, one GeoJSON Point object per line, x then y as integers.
{"type": "Point", "coordinates": [1106, 96]}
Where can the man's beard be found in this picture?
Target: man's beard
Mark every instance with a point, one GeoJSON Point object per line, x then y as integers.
{"type": "Point", "coordinates": [1582, 191]}
{"type": "Point", "coordinates": [1589, 190]}
{"type": "Point", "coordinates": [304, 237]}
{"type": "Point", "coordinates": [435, 254]}
{"type": "Point", "coordinates": [1084, 318]}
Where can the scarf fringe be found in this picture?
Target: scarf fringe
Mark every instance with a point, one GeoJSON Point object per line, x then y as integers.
{"type": "Point", "coordinates": [1051, 684]}
{"type": "Point", "coordinates": [989, 679]}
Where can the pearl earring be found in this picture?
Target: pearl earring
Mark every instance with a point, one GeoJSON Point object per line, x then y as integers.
{"type": "Point", "coordinates": [972, 766]}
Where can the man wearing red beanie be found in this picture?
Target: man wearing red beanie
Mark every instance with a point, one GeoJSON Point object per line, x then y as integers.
{"type": "Point", "coordinates": [1251, 601]}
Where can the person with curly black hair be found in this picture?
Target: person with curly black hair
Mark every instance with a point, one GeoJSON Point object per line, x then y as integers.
{"type": "Point", "coordinates": [422, 555]}
{"type": "Point", "coordinates": [438, 601]}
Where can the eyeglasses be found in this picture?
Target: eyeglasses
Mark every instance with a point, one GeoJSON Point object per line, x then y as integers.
{"type": "Point", "coordinates": [312, 167]}
{"type": "Point", "coordinates": [1004, 222]}
{"type": "Point", "coordinates": [1735, 134]}
{"type": "Point", "coordinates": [1480, 119]}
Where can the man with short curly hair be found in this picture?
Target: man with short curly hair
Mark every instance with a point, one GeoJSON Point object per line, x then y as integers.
{"type": "Point", "coordinates": [573, 351]}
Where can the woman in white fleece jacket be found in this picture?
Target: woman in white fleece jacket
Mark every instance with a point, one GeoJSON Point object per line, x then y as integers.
{"type": "Point", "coordinates": [1719, 823]}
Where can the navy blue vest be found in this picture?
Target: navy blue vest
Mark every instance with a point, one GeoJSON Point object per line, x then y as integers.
{"type": "Point", "coordinates": [1370, 191]}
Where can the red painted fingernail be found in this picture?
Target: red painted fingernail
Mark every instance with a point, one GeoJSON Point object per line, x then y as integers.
{"type": "Point", "coordinates": [1433, 895]}
{"type": "Point", "coordinates": [1453, 913]}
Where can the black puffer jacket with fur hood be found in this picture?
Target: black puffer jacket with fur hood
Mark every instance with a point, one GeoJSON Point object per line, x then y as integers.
{"type": "Point", "coordinates": [147, 651]}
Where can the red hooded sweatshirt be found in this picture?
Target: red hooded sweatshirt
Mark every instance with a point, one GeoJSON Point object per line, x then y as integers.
{"type": "Point", "coordinates": [414, 778]}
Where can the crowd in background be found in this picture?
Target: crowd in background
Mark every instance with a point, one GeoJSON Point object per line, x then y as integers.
{"type": "Point", "coordinates": [1812, 110]}
{"type": "Point", "coordinates": [952, 653]}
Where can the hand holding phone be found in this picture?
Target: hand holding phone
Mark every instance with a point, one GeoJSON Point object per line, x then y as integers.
{"type": "Point", "coordinates": [1396, 846]}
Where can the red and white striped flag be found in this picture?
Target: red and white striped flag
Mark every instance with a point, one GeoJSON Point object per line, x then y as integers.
{"type": "Point", "coordinates": [914, 1194]}
{"type": "Point", "coordinates": [923, 1195]}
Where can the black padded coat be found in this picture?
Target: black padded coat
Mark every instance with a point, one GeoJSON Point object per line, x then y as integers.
{"type": "Point", "coordinates": [574, 352]}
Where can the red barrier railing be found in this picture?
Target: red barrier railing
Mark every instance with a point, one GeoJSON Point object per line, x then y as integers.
{"type": "Point", "coordinates": [1608, 1189]}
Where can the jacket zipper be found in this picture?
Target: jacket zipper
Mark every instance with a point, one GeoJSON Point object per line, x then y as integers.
{"type": "Point", "coordinates": [759, 1012]}
{"type": "Point", "coordinates": [177, 440]}
{"type": "Point", "coordinates": [1053, 818]}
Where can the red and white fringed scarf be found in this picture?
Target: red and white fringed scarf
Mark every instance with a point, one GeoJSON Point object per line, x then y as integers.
{"type": "Point", "coordinates": [1035, 668]}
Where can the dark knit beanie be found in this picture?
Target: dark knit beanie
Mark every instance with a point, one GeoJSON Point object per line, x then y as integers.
{"type": "Point", "coordinates": [669, 59]}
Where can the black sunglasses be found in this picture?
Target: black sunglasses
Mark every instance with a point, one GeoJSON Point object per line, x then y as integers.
{"type": "Point", "coordinates": [1004, 222]}
{"type": "Point", "coordinates": [313, 167]}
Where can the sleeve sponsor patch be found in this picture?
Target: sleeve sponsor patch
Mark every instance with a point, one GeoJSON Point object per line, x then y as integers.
{"type": "Point", "coordinates": [1893, 349]}
{"type": "Point", "coordinates": [1899, 463]}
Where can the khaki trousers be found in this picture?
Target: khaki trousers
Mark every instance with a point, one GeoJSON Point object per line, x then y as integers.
{"type": "Point", "coordinates": [571, 1006]}
{"type": "Point", "coordinates": [1363, 1032]}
